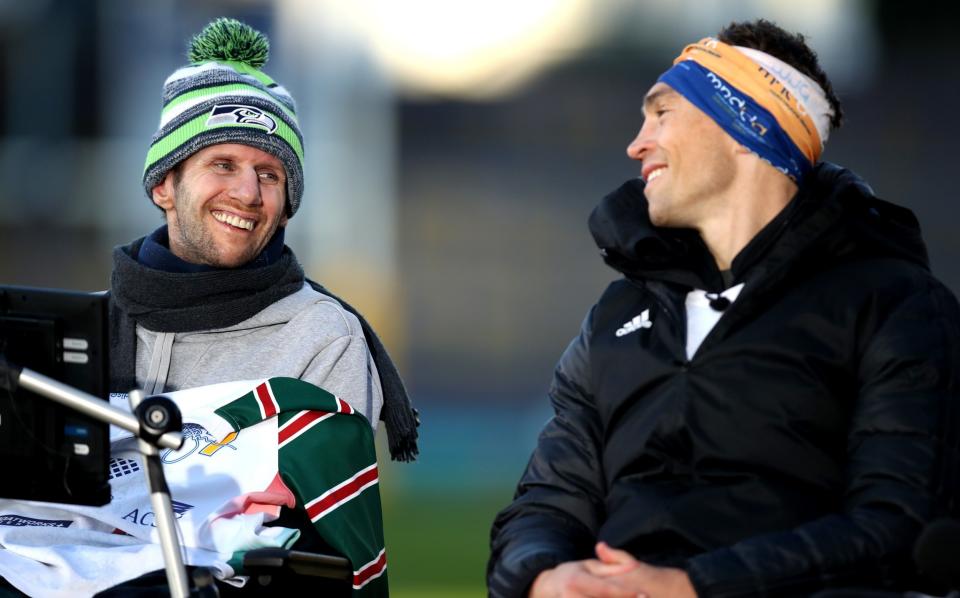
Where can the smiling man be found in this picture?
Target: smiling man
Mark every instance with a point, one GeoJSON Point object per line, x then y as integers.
{"type": "Point", "coordinates": [214, 295]}
{"type": "Point", "coordinates": [767, 402]}
{"type": "Point", "coordinates": [240, 187]}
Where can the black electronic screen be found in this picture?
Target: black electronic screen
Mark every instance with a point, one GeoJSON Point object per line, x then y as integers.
{"type": "Point", "coordinates": [49, 452]}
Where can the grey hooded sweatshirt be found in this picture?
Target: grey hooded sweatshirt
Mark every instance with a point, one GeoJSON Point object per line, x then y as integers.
{"type": "Point", "coordinates": [304, 335]}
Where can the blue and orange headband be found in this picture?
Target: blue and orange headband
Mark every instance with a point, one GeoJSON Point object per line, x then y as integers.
{"type": "Point", "coordinates": [765, 104]}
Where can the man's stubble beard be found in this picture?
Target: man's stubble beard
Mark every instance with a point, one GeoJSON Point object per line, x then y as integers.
{"type": "Point", "coordinates": [196, 242]}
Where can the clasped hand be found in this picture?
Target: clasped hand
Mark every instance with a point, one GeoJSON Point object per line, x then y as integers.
{"type": "Point", "coordinates": [613, 574]}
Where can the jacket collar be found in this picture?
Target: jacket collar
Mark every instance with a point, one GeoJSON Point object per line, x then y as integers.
{"type": "Point", "coordinates": [834, 214]}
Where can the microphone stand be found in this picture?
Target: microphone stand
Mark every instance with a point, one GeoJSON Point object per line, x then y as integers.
{"type": "Point", "coordinates": [157, 424]}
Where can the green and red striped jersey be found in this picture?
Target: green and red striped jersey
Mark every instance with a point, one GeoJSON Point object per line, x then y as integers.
{"type": "Point", "coordinates": [328, 460]}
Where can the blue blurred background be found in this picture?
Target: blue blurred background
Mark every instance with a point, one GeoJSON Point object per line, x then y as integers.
{"type": "Point", "coordinates": [454, 151]}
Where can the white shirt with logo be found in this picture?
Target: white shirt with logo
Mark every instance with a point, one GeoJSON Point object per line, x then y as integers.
{"type": "Point", "coordinates": [64, 550]}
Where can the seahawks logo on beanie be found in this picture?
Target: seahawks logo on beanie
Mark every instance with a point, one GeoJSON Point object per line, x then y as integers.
{"type": "Point", "coordinates": [228, 114]}
{"type": "Point", "coordinates": [224, 97]}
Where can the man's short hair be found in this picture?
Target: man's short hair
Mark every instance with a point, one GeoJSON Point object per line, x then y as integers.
{"type": "Point", "coordinates": [791, 48]}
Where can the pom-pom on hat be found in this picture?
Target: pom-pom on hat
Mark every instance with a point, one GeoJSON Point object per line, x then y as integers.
{"type": "Point", "coordinates": [224, 97]}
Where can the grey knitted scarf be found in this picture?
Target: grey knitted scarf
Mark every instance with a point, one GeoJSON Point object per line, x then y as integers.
{"type": "Point", "coordinates": [186, 302]}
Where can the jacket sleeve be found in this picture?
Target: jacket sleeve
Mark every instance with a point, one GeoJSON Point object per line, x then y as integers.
{"type": "Point", "coordinates": [558, 504]}
{"type": "Point", "coordinates": [901, 468]}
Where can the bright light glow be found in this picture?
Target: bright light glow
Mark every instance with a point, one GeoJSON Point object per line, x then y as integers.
{"type": "Point", "coordinates": [477, 48]}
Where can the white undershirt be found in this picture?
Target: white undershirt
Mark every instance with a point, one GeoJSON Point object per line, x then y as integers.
{"type": "Point", "coordinates": [701, 318]}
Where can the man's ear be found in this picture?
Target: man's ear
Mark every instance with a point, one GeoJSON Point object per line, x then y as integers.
{"type": "Point", "coordinates": [163, 192]}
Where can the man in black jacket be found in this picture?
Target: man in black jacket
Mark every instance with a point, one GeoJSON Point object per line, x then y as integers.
{"type": "Point", "coordinates": [766, 402]}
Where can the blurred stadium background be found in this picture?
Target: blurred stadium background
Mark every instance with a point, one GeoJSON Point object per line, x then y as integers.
{"type": "Point", "coordinates": [454, 151]}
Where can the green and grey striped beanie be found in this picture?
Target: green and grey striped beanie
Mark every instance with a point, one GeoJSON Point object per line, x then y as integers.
{"type": "Point", "coordinates": [224, 97]}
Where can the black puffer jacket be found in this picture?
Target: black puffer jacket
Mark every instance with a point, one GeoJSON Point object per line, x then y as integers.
{"type": "Point", "coordinates": [812, 434]}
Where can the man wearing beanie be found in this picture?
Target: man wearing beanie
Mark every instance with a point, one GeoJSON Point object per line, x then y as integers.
{"type": "Point", "coordinates": [270, 371]}
{"type": "Point", "coordinates": [766, 403]}
{"type": "Point", "coordinates": [214, 295]}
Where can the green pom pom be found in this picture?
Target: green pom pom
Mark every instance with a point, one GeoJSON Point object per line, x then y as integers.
{"type": "Point", "coordinates": [230, 40]}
